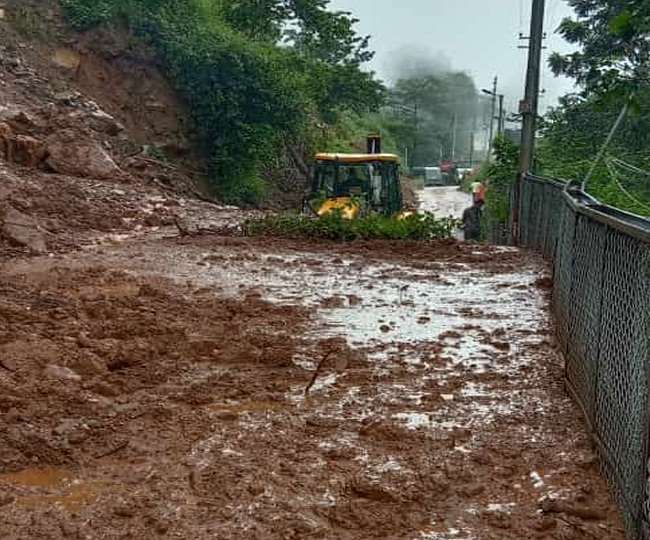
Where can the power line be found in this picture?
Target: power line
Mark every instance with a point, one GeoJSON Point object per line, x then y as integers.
{"type": "Point", "coordinates": [612, 132]}
{"type": "Point", "coordinates": [631, 168]}
{"type": "Point", "coordinates": [617, 181]}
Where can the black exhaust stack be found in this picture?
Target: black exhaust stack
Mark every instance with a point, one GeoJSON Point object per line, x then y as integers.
{"type": "Point", "coordinates": [374, 144]}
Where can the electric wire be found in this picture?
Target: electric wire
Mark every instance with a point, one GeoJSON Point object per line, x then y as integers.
{"type": "Point", "coordinates": [614, 175]}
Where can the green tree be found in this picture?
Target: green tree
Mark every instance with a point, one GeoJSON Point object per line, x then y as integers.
{"type": "Point", "coordinates": [613, 37]}
{"type": "Point", "coordinates": [436, 110]}
{"type": "Point", "coordinates": [256, 74]}
{"type": "Point", "coordinates": [572, 135]}
{"type": "Point", "coordinates": [612, 63]}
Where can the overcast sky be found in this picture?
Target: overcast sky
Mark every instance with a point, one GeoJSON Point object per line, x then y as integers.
{"type": "Point", "coordinates": [476, 36]}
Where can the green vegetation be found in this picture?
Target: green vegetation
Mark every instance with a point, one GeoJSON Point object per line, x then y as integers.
{"type": "Point", "coordinates": [614, 54]}
{"type": "Point", "coordinates": [256, 74]}
{"type": "Point", "coordinates": [500, 176]}
{"type": "Point", "coordinates": [333, 226]}
{"type": "Point", "coordinates": [350, 132]}
{"type": "Point", "coordinates": [418, 122]}
{"type": "Point", "coordinates": [572, 137]}
{"type": "Point", "coordinates": [425, 111]}
{"type": "Point", "coordinates": [611, 67]}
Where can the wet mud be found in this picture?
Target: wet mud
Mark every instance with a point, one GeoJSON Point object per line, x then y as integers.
{"type": "Point", "coordinates": [235, 388]}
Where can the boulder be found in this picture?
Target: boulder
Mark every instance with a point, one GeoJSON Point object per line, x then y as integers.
{"type": "Point", "coordinates": [21, 229]}
{"type": "Point", "coordinates": [68, 154]}
{"type": "Point", "coordinates": [66, 58]}
{"type": "Point", "coordinates": [21, 149]}
{"type": "Point", "coordinates": [104, 123]}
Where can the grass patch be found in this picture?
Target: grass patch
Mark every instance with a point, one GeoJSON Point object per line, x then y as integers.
{"type": "Point", "coordinates": [334, 226]}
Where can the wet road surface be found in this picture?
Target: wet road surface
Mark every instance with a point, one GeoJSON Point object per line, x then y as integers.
{"type": "Point", "coordinates": [446, 201]}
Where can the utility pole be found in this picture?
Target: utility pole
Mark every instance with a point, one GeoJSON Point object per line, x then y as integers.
{"type": "Point", "coordinates": [528, 109]}
{"type": "Point", "coordinates": [501, 123]}
{"type": "Point", "coordinates": [494, 104]}
{"type": "Point", "coordinates": [416, 122]}
{"type": "Point", "coordinates": [453, 138]}
{"type": "Point", "coordinates": [471, 150]}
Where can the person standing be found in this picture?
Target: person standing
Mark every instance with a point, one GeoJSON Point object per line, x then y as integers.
{"type": "Point", "coordinates": [472, 221]}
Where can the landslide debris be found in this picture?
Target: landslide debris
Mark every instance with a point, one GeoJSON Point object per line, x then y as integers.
{"type": "Point", "coordinates": [93, 140]}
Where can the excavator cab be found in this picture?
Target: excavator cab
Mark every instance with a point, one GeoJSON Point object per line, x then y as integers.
{"type": "Point", "coordinates": [355, 184]}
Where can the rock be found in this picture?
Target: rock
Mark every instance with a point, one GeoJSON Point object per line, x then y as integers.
{"type": "Point", "coordinates": [61, 373]}
{"type": "Point", "coordinates": [105, 389]}
{"type": "Point", "coordinates": [552, 506]}
{"type": "Point", "coordinates": [72, 99]}
{"type": "Point", "coordinates": [20, 119]}
{"type": "Point", "coordinates": [124, 511]}
{"type": "Point", "coordinates": [28, 151]}
{"type": "Point", "coordinates": [545, 524]}
{"type": "Point", "coordinates": [85, 158]}
{"type": "Point", "coordinates": [88, 364]}
{"type": "Point", "coordinates": [8, 363]}
{"type": "Point", "coordinates": [20, 149]}
{"type": "Point", "coordinates": [22, 230]}
{"type": "Point", "coordinates": [12, 415]}
{"type": "Point", "coordinates": [66, 58]}
{"type": "Point", "coordinates": [84, 341]}
{"type": "Point", "coordinates": [65, 427]}
{"type": "Point", "coordinates": [161, 527]}
{"type": "Point", "coordinates": [471, 490]}
{"type": "Point", "coordinates": [104, 123]}
{"type": "Point", "coordinates": [227, 416]}
{"type": "Point", "coordinates": [5, 191]}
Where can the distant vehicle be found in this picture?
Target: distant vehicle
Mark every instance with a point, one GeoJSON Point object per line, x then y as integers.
{"type": "Point", "coordinates": [433, 177]}
{"type": "Point", "coordinates": [449, 172]}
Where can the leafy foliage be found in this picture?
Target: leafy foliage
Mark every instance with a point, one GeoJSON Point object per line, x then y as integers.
{"type": "Point", "coordinates": [256, 74]}
{"type": "Point", "coordinates": [614, 41]}
{"type": "Point", "coordinates": [500, 176]}
{"type": "Point", "coordinates": [572, 135]}
{"type": "Point", "coordinates": [349, 134]}
{"type": "Point", "coordinates": [335, 227]}
{"type": "Point", "coordinates": [612, 63]}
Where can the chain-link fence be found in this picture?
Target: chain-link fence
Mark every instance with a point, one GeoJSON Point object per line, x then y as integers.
{"type": "Point", "coordinates": [601, 303]}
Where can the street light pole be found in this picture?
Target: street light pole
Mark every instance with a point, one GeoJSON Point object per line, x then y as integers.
{"type": "Point", "coordinates": [500, 125]}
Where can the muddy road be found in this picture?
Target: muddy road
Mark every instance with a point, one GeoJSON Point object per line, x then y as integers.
{"type": "Point", "coordinates": [444, 201]}
{"type": "Point", "coordinates": [231, 388]}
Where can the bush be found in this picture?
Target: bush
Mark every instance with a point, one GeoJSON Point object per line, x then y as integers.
{"type": "Point", "coordinates": [500, 176]}
{"type": "Point", "coordinates": [333, 226]}
{"type": "Point", "coordinates": [249, 97]}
